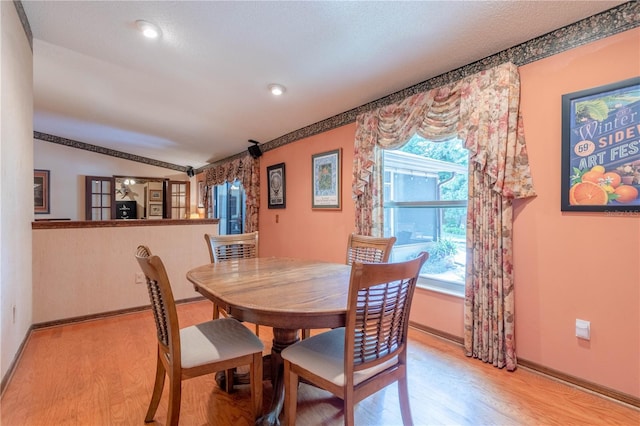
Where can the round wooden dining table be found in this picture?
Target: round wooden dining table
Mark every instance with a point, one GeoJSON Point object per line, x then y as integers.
{"type": "Point", "coordinates": [284, 293]}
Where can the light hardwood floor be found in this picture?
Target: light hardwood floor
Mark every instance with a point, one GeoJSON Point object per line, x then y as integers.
{"type": "Point", "coordinates": [101, 373]}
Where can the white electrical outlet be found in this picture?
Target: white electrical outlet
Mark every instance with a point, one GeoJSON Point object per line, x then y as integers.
{"type": "Point", "coordinates": [583, 329]}
{"type": "Point", "coordinates": [139, 278]}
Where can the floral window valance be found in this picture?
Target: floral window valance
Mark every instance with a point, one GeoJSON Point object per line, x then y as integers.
{"type": "Point", "coordinates": [483, 111]}
{"type": "Point", "coordinates": [247, 170]}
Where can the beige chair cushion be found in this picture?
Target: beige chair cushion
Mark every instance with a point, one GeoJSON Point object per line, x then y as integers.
{"type": "Point", "coordinates": [323, 355]}
{"type": "Point", "coordinates": [216, 340]}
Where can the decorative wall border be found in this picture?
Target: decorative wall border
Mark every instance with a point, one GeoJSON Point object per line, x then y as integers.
{"type": "Point", "coordinates": [106, 151]}
{"type": "Point", "coordinates": [25, 22]}
{"type": "Point", "coordinates": [613, 21]}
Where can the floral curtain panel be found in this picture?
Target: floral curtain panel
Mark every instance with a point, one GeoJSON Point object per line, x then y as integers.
{"type": "Point", "coordinates": [482, 110]}
{"type": "Point", "coordinates": [247, 170]}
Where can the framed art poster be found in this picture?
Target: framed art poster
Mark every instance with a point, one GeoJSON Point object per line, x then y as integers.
{"type": "Point", "coordinates": [126, 210]}
{"type": "Point", "coordinates": [155, 210]}
{"type": "Point", "coordinates": [155, 195]}
{"type": "Point", "coordinates": [276, 186]}
{"type": "Point", "coordinates": [326, 180]}
{"type": "Point", "coordinates": [601, 148]}
{"type": "Point", "coordinates": [41, 191]}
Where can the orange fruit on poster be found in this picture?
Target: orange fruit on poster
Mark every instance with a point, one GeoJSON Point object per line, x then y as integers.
{"type": "Point", "coordinates": [592, 176]}
{"type": "Point", "coordinates": [626, 193]}
{"type": "Point", "coordinates": [587, 194]}
{"type": "Point", "coordinates": [613, 178]}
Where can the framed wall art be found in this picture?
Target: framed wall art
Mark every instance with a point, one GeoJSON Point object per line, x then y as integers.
{"type": "Point", "coordinates": [155, 210]}
{"type": "Point", "coordinates": [41, 191]}
{"type": "Point", "coordinates": [601, 148]}
{"type": "Point", "coordinates": [276, 186]}
{"type": "Point", "coordinates": [326, 180]}
{"type": "Point", "coordinates": [126, 210]}
{"type": "Point", "coordinates": [155, 195]}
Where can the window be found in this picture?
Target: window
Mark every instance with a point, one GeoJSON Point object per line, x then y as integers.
{"type": "Point", "coordinates": [425, 208]}
{"type": "Point", "coordinates": [99, 198]}
{"type": "Point", "coordinates": [229, 207]}
{"type": "Point", "coordinates": [179, 199]}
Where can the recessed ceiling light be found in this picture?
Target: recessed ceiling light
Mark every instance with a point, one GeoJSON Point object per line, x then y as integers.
{"type": "Point", "coordinates": [277, 89]}
{"type": "Point", "coordinates": [148, 29]}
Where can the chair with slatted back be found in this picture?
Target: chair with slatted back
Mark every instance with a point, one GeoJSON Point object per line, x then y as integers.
{"type": "Point", "coordinates": [234, 246]}
{"type": "Point", "coordinates": [362, 248]}
{"type": "Point", "coordinates": [197, 350]}
{"type": "Point", "coordinates": [370, 352]}
{"type": "Point", "coordinates": [223, 248]}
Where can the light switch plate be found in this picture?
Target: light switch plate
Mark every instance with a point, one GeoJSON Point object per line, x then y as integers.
{"type": "Point", "coordinates": [583, 329]}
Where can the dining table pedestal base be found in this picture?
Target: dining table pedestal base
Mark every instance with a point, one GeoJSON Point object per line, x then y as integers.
{"type": "Point", "coordinates": [282, 338]}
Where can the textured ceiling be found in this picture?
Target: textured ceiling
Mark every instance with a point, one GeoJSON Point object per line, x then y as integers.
{"type": "Point", "coordinates": [200, 92]}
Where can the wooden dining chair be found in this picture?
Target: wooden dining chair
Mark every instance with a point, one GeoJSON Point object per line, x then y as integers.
{"type": "Point", "coordinates": [370, 352]}
{"type": "Point", "coordinates": [197, 350]}
{"type": "Point", "coordinates": [233, 246]}
{"type": "Point", "coordinates": [362, 248]}
{"type": "Point", "coordinates": [223, 248]}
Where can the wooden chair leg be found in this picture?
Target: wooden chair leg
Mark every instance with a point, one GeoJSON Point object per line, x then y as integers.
{"type": "Point", "coordinates": [405, 407]}
{"type": "Point", "coordinates": [216, 311]}
{"type": "Point", "coordinates": [175, 393]}
{"type": "Point", "coordinates": [157, 390]}
{"type": "Point", "coordinates": [228, 378]}
{"type": "Point", "coordinates": [256, 385]}
{"type": "Point", "coordinates": [348, 408]}
{"type": "Point", "coordinates": [290, 395]}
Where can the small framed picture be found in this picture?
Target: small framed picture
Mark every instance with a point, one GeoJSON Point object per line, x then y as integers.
{"type": "Point", "coordinates": [155, 195]}
{"type": "Point", "coordinates": [601, 148]}
{"type": "Point", "coordinates": [276, 186]}
{"type": "Point", "coordinates": [326, 180]}
{"type": "Point", "coordinates": [155, 209]}
{"type": "Point", "coordinates": [41, 191]}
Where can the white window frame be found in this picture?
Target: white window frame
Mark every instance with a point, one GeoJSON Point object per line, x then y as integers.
{"type": "Point", "coordinates": [395, 161]}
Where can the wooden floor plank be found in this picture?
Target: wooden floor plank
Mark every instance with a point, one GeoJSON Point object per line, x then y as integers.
{"type": "Point", "coordinates": [101, 373]}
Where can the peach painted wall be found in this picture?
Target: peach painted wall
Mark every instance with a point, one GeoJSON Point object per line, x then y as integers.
{"type": "Point", "coordinates": [571, 265]}
{"type": "Point", "coordinates": [299, 231]}
{"type": "Point", "coordinates": [567, 265]}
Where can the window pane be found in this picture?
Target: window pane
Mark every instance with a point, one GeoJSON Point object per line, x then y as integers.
{"type": "Point", "coordinates": [425, 194]}
{"type": "Point", "coordinates": [229, 207]}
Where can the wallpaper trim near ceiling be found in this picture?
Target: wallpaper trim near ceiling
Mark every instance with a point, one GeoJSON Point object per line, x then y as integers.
{"type": "Point", "coordinates": [613, 21]}
{"type": "Point", "coordinates": [106, 151]}
{"type": "Point", "coordinates": [24, 21]}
